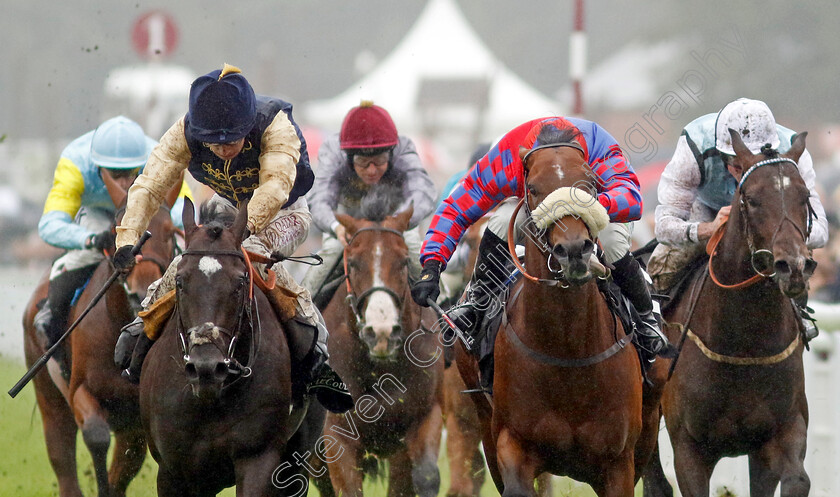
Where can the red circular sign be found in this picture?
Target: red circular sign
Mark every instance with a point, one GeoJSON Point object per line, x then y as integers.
{"type": "Point", "coordinates": [154, 35]}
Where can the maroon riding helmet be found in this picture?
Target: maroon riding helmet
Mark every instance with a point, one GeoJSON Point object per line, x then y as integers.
{"type": "Point", "coordinates": [367, 128]}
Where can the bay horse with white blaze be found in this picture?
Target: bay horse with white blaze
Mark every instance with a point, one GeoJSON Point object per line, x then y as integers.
{"type": "Point", "coordinates": [738, 387]}
{"type": "Point", "coordinates": [391, 366]}
{"type": "Point", "coordinates": [568, 390]}
{"type": "Point", "coordinates": [215, 391]}
{"type": "Point", "coordinates": [97, 400]}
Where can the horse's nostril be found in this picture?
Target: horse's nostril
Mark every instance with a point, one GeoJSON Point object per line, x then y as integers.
{"type": "Point", "coordinates": [782, 267]}
{"type": "Point", "coordinates": [190, 371]}
{"type": "Point", "coordinates": [221, 371]}
{"type": "Point", "coordinates": [396, 331]}
{"type": "Point", "coordinates": [810, 267]}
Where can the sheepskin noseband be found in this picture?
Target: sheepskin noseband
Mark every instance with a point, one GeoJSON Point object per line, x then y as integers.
{"type": "Point", "coordinates": [570, 201]}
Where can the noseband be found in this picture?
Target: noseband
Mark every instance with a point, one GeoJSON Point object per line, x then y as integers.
{"type": "Point", "coordinates": [245, 316]}
{"type": "Point", "coordinates": [356, 302]}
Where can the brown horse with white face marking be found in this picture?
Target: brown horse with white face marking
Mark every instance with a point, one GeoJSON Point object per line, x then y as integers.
{"type": "Point", "coordinates": [392, 367]}
{"type": "Point", "coordinates": [97, 400]}
{"type": "Point", "coordinates": [215, 392]}
{"type": "Point", "coordinates": [738, 387]}
{"type": "Point", "coordinates": [568, 394]}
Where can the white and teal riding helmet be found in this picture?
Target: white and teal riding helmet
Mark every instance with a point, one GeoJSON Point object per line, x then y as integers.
{"type": "Point", "coordinates": [752, 119]}
{"type": "Point", "coordinates": [119, 143]}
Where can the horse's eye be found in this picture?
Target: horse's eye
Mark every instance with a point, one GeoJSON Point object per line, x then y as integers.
{"type": "Point", "coordinates": [179, 283]}
{"type": "Point", "coordinates": [751, 202]}
{"type": "Point", "coordinates": [532, 189]}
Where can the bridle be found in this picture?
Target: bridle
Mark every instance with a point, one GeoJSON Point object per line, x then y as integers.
{"type": "Point", "coordinates": [540, 238]}
{"type": "Point", "coordinates": [163, 265]}
{"type": "Point", "coordinates": [356, 302]}
{"type": "Point", "coordinates": [245, 317]}
{"type": "Point", "coordinates": [750, 237]}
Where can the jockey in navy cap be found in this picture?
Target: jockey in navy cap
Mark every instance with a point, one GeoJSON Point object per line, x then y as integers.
{"type": "Point", "coordinates": [244, 147]}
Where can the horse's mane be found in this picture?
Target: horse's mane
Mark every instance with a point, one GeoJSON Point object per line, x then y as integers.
{"type": "Point", "coordinates": [380, 202]}
{"type": "Point", "coordinates": [552, 134]}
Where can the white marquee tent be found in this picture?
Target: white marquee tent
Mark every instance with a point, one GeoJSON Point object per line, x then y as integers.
{"type": "Point", "coordinates": [441, 81]}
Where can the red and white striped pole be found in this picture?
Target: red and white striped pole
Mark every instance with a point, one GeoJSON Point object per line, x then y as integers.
{"type": "Point", "coordinates": [577, 57]}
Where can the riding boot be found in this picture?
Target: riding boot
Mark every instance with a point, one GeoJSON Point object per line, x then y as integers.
{"type": "Point", "coordinates": [144, 344]}
{"type": "Point", "coordinates": [809, 324]}
{"type": "Point", "coordinates": [633, 282]}
{"type": "Point", "coordinates": [60, 295]}
{"type": "Point", "coordinates": [311, 373]}
{"type": "Point", "coordinates": [126, 342]}
{"type": "Point", "coordinates": [492, 269]}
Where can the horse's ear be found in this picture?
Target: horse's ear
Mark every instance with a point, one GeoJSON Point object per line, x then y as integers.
{"type": "Point", "coordinates": [401, 219]}
{"type": "Point", "coordinates": [522, 153]}
{"type": "Point", "coordinates": [115, 191]}
{"type": "Point", "coordinates": [349, 222]}
{"type": "Point", "coordinates": [241, 221]}
{"type": "Point", "coordinates": [738, 146]}
{"type": "Point", "coordinates": [172, 195]}
{"type": "Point", "coordinates": [188, 217]}
{"type": "Point", "coordinates": [798, 146]}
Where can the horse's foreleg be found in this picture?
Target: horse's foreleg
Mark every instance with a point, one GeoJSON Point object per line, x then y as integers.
{"type": "Point", "coordinates": [399, 475]}
{"type": "Point", "coordinates": [60, 435]}
{"type": "Point", "coordinates": [693, 467]}
{"type": "Point", "coordinates": [517, 466]}
{"type": "Point", "coordinates": [618, 478]}
{"type": "Point", "coordinates": [345, 472]}
{"type": "Point", "coordinates": [263, 474]}
{"type": "Point", "coordinates": [129, 453]}
{"type": "Point", "coordinates": [466, 464]}
{"type": "Point", "coordinates": [655, 482]}
{"type": "Point", "coordinates": [544, 486]}
{"type": "Point", "coordinates": [423, 444]}
{"type": "Point", "coordinates": [95, 432]}
{"type": "Point", "coordinates": [781, 459]}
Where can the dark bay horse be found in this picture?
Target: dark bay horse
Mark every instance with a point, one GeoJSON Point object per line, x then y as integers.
{"type": "Point", "coordinates": [738, 387]}
{"type": "Point", "coordinates": [392, 367]}
{"type": "Point", "coordinates": [215, 392]}
{"type": "Point", "coordinates": [568, 395]}
{"type": "Point", "coordinates": [97, 400]}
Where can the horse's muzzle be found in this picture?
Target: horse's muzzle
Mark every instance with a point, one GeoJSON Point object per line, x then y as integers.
{"type": "Point", "coordinates": [382, 346]}
{"type": "Point", "coordinates": [571, 261]}
{"type": "Point", "coordinates": [792, 274]}
{"type": "Point", "coordinates": [206, 372]}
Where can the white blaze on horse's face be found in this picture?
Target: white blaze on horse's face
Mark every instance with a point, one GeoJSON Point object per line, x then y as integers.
{"type": "Point", "coordinates": [209, 265]}
{"type": "Point", "coordinates": [781, 183]}
{"type": "Point", "coordinates": [558, 168]}
{"type": "Point", "coordinates": [381, 313]}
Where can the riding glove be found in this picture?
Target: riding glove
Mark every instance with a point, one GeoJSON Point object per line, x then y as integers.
{"type": "Point", "coordinates": [100, 241]}
{"type": "Point", "coordinates": [428, 286]}
{"type": "Point", "coordinates": [124, 259]}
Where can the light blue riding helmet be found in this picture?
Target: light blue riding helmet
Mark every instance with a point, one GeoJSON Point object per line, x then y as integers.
{"type": "Point", "coordinates": [119, 143]}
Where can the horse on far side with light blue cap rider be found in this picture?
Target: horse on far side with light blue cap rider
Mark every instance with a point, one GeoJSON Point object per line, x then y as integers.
{"type": "Point", "coordinates": [79, 213]}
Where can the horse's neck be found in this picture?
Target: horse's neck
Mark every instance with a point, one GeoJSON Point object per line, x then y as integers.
{"type": "Point", "coordinates": [751, 315]}
{"type": "Point", "coordinates": [566, 318]}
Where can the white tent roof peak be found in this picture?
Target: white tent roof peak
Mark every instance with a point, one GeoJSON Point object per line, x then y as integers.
{"type": "Point", "coordinates": [440, 47]}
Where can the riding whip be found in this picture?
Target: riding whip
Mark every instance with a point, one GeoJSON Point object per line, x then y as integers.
{"type": "Point", "coordinates": [468, 341]}
{"type": "Point", "coordinates": [49, 353]}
